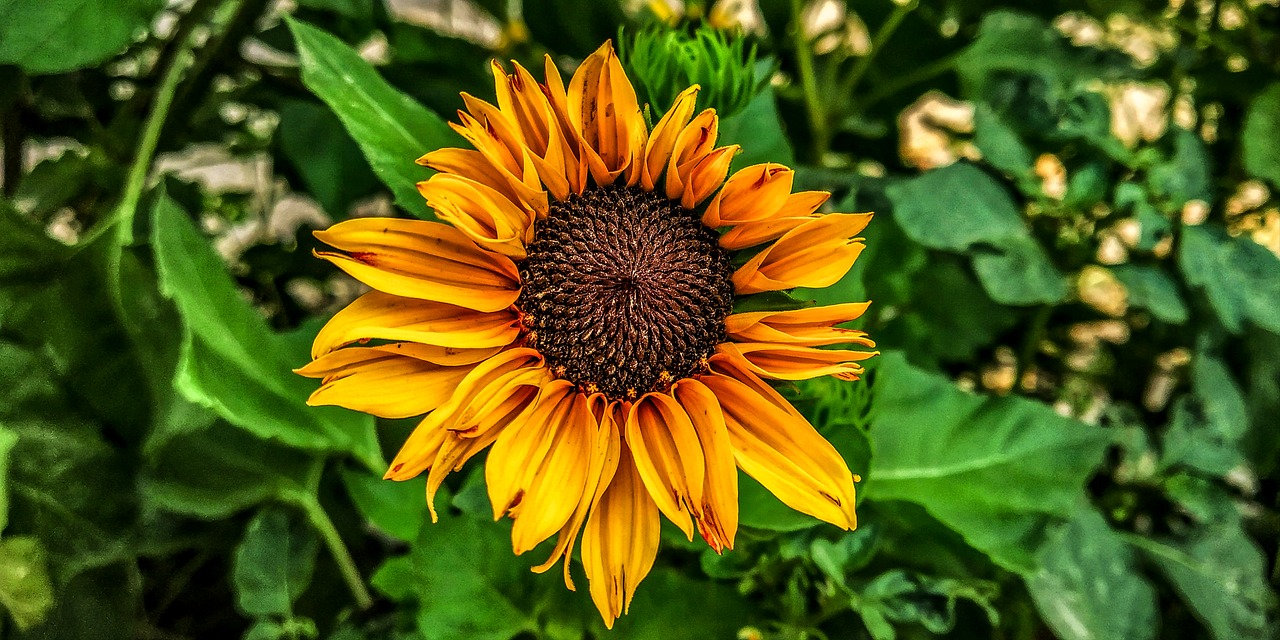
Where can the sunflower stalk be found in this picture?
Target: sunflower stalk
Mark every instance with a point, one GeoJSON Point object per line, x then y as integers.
{"type": "Point", "coordinates": [809, 82]}
{"type": "Point", "coordinates": [323, 525]}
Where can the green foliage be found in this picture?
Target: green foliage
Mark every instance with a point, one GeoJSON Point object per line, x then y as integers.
{"type": "Point", "coordinates": [1040, 455]}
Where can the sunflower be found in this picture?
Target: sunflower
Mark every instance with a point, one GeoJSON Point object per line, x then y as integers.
{"type": "Point", "coordinates": [573, 312]}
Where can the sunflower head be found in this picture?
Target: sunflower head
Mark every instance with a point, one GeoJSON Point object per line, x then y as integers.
{"type": "Point", "coordinates": [572, 312]}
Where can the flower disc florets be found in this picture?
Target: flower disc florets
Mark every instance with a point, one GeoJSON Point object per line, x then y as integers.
{"type": "Point", "coordinates": [624, 290]}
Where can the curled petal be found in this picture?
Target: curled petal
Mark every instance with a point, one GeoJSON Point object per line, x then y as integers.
{"type": "Point", "coordinates": [620, 541]}
{"type": "Point", "coordinates": [752, 194]}
{"type": "Point", "coordinates": [694, 143]}
{"type": "Point", "coordinates": [425, 260]}
{"type": "Point", "coordinates": [381, 316]}
{"type": "Point", "coordinates": [487, 217]}
{"type": "Point", "coordinates": [530, 108]}
{"type": "Point", "coordinates": [657, 151]}
{"type": "Point", "coordinates": [812, 327]}
{"type": "Point", "coordinates": [717, 518]}
{"type": "Point", "coordinates": [390, 381]}
{"type": "Point", "coordinates": [789, 362]}
{"type": "Point", "coordinates": [816, 254]}
{"type": "Point", "coordinates": [707, 176]}
{"type": "Point", "coordinates": [782, 451]}
{"type": "Point", "coordinates": [668, 456]}
{"type": "Point", "coordinates": [604, 109]}
{"type": "Point", "coordinates": [604, 463]}
{"type": "Point", "coordinates": [473, 165]}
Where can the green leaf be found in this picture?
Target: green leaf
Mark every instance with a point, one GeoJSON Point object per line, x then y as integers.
{"type": "Point", "coordinates": [1187, 174]}
{"type": "Point", "coordinates": [25, 589]}
{"type": "Point", "coordinates": [391, 129]}
{"type": "Point", "coordinates": [455, 564]}
{"type": "Point", "coordinates": [994, 469]}
{"type": "Point", "coordinates": [217, 472]}
{"type": "Point", "coordinates": [1240, 277]}
{"type": "Point", "coordinates": [1020, 273]}
{"type": "Point", "coordinates": [1015, 42]}
{"type": "Point", "coordinates": [273, 563]}
{"type": "Point", "coordinates": [1221, 574]}
{"type": "Point", "coordinates": [759, 130]}
{"type": "Point", "coordinates": [955, 208]}
{"type": "Point", "coordinates": [1258, 150]}
{"type": "Point", "coordinates": [1205, 434]}
{"type": "Point", "coordinates": [1151, 288]}
{"type": "Point", "coordinates": [670, 604]}
{"type": "Point", "coordinates": [397, 508]}
{"type": "Point", "coordinates": [1000, 145]}
{"type": "Point", "coordinates": [1088, 586]}
{"type": "Point", "coordinates": [62, 35]}
{"type": "Point", "coordinates": [232, 363]}
{"type": "Point", "coordinates": [330, 163]}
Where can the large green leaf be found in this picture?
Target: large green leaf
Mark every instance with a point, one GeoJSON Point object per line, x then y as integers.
{"type": "Point", "coordinates": [1258, 149]}
{"type": "Point", "coordinates": [232, 363]}
{"type": "Point", "coordinates": [759, 131]}
{"type": "Point", "coordinates": [273, 563]}
{"type": "Point", "coordinates": [389, 126]}
{"type": "Point", "coordinates": [1221, 574]}
{"type": "Point", "coordinates": [1088, 586]}
{"type": "Point", "coordinates": [329, 162]}
{"type": "Point", "coordinates": [218, 471]}
{"type": "Point", "coordinates": [397, 508]}
{"type": "Point", "coordinates": [994, 469]}
{"type": "Point", "coordinates": [55, 36]}
{"type": "Point", "coordinates": [1020, 273]}
{"type": "Point", "coordinates": [1240, 277]}
{"type": "Point", "coordinates": [7, 440]}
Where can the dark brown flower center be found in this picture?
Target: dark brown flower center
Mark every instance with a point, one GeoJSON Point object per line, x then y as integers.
{"type": "Point", "coordinates": [624, 291]}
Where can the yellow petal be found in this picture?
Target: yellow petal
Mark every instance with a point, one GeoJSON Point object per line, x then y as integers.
{"type": "Point", "coordinates": [752, 194]}
{"type": "Point", "coordinates": [782, 451]}
{"type": "Point", "coordinates": [426, 260]}
{"type": "Point", "coordinates": [816, 254]}
{"type": "Point", "coordinates": [385, 381]}
{"type": "Point", "coordinates": [604, 463]}
{"type": "Point", "coordinates": [487, 217]}
{"type": "Point", "coordinates": [668, 456]}
{"type": "Point", "coordinates": [620, 541]}
{"type": "Point", "coordinates": [810, 327]}
{"type": "Point", "coordinates": [798, 209]}
{"type": "Point", "coordinates": [657, 151]}
{"type": "Point", "coordinates": [718, 517]}
{"type": "Point", "coordinates": [381, 316]}
{"type": "Point", "coordinates": [471, 164]}
{"type": "Point", "coordinates": [494, 137]}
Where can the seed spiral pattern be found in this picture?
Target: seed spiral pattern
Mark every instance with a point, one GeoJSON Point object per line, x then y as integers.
{"type": "Point", "coordinates": [624, 291]}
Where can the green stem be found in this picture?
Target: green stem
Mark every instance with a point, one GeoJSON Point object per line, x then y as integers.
{"type": "Point", "coordinates": [900, 11]}
{"type": "Point", "coordinates": [1039, 324]}
{"type": "Point", "coordinates": [319, 519]}
{"type": "Point", "coordinates": [809, 81]}
{"type": "Point", "coordinates": [918, 75]}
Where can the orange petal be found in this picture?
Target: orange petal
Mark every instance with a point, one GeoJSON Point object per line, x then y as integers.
{"type": "Point", "coordinates": [385, 381]}
{"type": "Point", "coordinates": [471, 164]}
{"type": "Point", "coordinates": [789, 362]}
{"type": "Point", "coordinates": [657, 151]}
{"type": "Point", "coordinates": [752, 194]}
{"type": "Point", "coordinates": [620, 541]}
{"type": "Point", "coordinates": [816, 254]}
{"type": "Point", "coordinates": [798, 209]}
{"type": "Point", "coordinates": [810, 327]}
{"type": "Point", "coordinates": [381, 316]}
{"type": "Point", "coordinates": [425, 260]}
{"type": "Point", "coordinates": [604, 463]}
{"type": "Point", "coordinates": [489, 131]}
{"type": "Point", "coordinates": [782, 451]}
{"type": "Point", "coordinates": [718, 516]}
{"type": "Point", "coordinates": [707, 176]}
{"type": "Point", "coordinates": [604, 110]}
{"type": "Point", "coordinates": [487, 217]}
{"type": "Point", "coordinates": [668, 456]}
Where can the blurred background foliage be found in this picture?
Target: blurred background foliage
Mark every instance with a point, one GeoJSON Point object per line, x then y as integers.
{"type": "Point", "coordinates": [1072, 431]}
